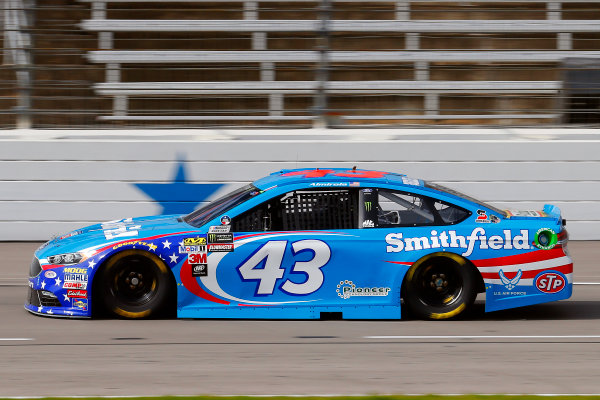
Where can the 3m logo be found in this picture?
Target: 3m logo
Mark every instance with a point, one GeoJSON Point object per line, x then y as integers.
{"type": "Point", "coordinates": [197, 258]}
{"type": "Point", "coordinates": [550, 282]}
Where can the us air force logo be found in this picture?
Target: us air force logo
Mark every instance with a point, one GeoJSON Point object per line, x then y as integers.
{"type": "Point", "coordinates": [510, 284]}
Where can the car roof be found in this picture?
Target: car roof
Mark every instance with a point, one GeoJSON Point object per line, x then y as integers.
{"type": "Point", "coordinates": [343, 176]}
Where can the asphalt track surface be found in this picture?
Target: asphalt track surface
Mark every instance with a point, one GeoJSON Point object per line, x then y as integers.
{"type": "Point", "coordinates": [549, 348]}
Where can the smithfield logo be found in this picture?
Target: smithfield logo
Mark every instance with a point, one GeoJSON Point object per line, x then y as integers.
{"type": "Point", "coordinates": [510, 284]}
{"type": "Point", "coordinates": [396, 243]}
{"type": "Point", "coordinates": [550, 282]}
{"type": "Point", "coordinates": [346, 289]}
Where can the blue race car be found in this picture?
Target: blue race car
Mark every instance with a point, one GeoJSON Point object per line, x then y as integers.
{"type": "Point", "coordinates": [308, 244]}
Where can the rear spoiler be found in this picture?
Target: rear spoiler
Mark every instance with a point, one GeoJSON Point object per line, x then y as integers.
{"type": "Point", "coordinates": [554, 212]}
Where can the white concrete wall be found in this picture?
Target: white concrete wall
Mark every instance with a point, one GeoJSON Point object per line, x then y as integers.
{"type": "Point", "coordinates": [55, 181]}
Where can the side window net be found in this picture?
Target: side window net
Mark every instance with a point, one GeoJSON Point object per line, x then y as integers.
{"type": "Point", "coordinates": [302, 210]}
{"type": "Point", "coordinates": [251, 221]}
{"type": "Point", "coordinates": [308, 210]}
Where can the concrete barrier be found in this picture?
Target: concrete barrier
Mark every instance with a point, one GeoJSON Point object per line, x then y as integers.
{"type": "Point", "coordinates": [55, 181]}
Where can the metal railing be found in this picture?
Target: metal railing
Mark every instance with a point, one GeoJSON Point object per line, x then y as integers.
{"type": "Point", "coordinates": [197, 63]}
{"type": "Point", "coordinates": [17, 53]}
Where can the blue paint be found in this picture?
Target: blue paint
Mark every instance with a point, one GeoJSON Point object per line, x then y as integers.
{"type": "Point", "coordinates": [367, 264]}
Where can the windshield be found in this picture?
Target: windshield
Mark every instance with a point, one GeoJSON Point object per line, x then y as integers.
{"type": "Point", "coordinates": [444, 189]}
{"type": "Point", "coordinates": [213, 209]}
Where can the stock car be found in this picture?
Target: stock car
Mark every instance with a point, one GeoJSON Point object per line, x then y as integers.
{"type": "Point", "coordinates": [309, 244]}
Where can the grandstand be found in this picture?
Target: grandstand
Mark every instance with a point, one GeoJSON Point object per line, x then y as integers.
{"type": "Point", "coordinates": [296, 63]}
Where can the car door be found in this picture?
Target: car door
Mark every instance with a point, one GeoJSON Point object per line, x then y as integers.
{"type": "Point", "coordinates": [301, 249]}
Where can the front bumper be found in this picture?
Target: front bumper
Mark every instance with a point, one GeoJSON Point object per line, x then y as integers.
{"type": "Point", "coordinates": [54, 303]}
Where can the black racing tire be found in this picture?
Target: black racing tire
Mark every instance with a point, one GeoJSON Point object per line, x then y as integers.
{"type": "Point", "coordinates": [135, 284]}
{"type": "Point", "coordinates": [440, 286]}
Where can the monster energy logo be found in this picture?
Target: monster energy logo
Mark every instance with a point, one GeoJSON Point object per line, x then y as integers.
{"type": "Point", "coordinates": [368, 205]}
{"type": "Point", "coordinates": [220, 238]}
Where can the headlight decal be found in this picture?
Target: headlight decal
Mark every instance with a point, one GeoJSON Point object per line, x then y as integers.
{"type": "Point", "coordinates": [65, 259]}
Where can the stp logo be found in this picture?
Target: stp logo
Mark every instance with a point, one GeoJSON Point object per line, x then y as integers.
{"type": "Point", "coordinates": [550, 282]}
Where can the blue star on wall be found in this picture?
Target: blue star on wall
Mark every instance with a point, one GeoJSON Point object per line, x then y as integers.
{"type": "Point", "coordinates": [179, 196]}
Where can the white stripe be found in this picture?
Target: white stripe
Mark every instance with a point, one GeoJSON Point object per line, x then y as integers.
{"type": "Point", "coordinates": [489, 337]}
{"type": "Point", "coordinates": [545, 264]}
{"type": "Point", "coordinates": [184, 396]}
{"type": "Point", "coordinates": [15, 339]}
{"type": "Point", "coordinates": [525, 282]}
{"type": "Point", "coordinates": [586, 283]}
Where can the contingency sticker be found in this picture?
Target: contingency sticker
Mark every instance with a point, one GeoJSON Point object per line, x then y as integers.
{"type": "Point", "coordinates": [220, 242]}
{"type": "Point", "coordinates": [219, 229]}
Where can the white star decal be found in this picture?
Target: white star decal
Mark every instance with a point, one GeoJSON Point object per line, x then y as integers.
{"type": "Point", "coordinates": [58, 281]}
{"type": "Point", "coordinates": [40, 308]}
{"type": "Point", "coordinates": [166, 244]}
{"type": "Point", "coordinates": [181, 243]}
{"type": "Point", "coordinates": [152, 246]}
{"type": "Point", "coordinates": [91, 264]}
{"type": "Point", "coordinates": [43, 284]}
{"type": "Point", "coordinates": [50, 311]}
{"type": "Point", "coordinates": [66, 297]}
{"type": "Point", "coordinates": [173, 258]}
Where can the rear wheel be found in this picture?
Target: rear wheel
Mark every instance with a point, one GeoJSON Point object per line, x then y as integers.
{"type": "Point", "coordinates": [440, 286]}
{"type": "Point", "coordinates": [135, 284]}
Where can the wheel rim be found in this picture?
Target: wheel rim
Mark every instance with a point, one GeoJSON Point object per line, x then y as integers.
{"type": "Point", "coordinates": [134, 281]}
{"type": "Point", "coordinates": [439, 283]}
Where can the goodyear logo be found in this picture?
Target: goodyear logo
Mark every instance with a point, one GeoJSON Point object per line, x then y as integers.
{"type": "Point", "coordinates": [197, 241]}
{"type": "Point", "coordinates": [151, 246]}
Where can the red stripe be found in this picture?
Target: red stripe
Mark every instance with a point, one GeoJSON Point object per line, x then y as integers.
{"type": "Point", "coordinates": [565, 269]}
{"type": "Point", "coordinates": [538, 255]}
{"type": "Point", "coordinates": [52, 266]}
{"type": "Point", "coordinates": [141, 239]}
{"type": "Point", "coordinates": [287, 232]}
{"type": "Point", "coordinates": [399, 262]}
{"type": "Point", "coordinates": [192, 285]}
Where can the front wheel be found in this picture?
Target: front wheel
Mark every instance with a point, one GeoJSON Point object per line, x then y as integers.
{"type": "Point", "coordinates": [439, 286]}
{"type": "Point", "coordinates": [135, 284]}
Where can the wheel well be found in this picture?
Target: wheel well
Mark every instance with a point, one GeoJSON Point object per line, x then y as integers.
{"type": "Point", "coordinates": [97, 305]}
{"type": "Point", "coordinates": [479, 283]}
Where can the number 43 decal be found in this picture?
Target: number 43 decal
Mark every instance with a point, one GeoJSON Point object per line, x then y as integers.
{"type": "Point", "coordinates": [270, 255]}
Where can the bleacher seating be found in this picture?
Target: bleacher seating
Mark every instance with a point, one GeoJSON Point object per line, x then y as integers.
{"type": "Point", "coordinates": [421, 62]}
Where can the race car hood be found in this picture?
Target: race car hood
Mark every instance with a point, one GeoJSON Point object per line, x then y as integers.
{"type": "Point", "coordinates": [111, 232]}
